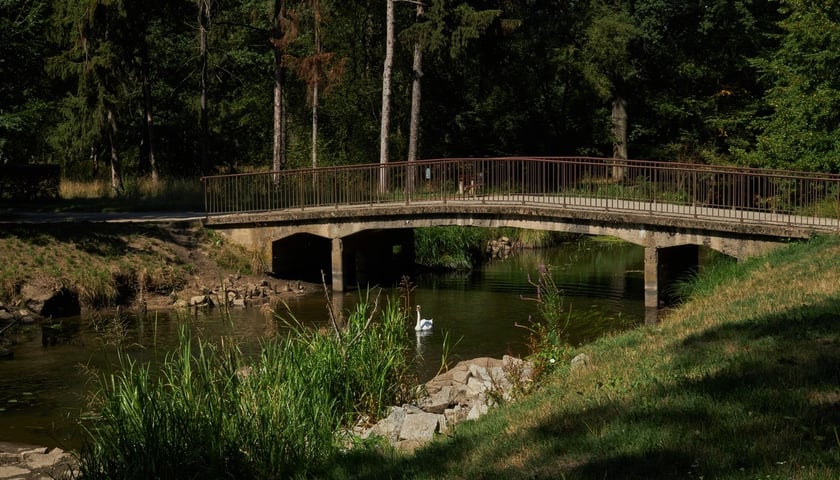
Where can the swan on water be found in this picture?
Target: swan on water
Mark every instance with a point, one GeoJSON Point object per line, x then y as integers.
{"type": "Point", "coordinates": [422, 323]}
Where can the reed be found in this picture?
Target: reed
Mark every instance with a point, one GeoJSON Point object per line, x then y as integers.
{"type": "Point", "coordinates": [209, 411]}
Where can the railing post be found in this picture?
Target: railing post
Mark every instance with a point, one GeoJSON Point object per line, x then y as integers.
{"type": "Point", "coordinates": [694, 191]}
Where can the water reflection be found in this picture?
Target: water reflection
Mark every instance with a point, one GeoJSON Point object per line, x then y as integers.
{"type": "Point", "coordinates": [479, 313]}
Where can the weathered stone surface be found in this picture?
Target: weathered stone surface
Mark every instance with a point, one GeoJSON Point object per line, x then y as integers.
{"type": "Point", "coordinates": [581, 360]}
{"type": "Point", "coordinates": [47, 301]}
{"type": "Point", "coordinates": [201, 301]}
{"type": "Point", "coordinates": [26, 462]}
{"type": "Point", "coordinates": [420, 426]}
{"type": "Point", "coordinates": [438, 402]}
{"type": "Point", "coordinates": [389, 427]}
{"type": "Point", "coordinates": [465, 392]}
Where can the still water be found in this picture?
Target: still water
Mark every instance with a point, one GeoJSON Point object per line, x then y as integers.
{"type": "Point", "coordinates": [43, 390]}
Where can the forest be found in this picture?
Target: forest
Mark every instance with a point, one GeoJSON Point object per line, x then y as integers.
{"type": "Point", "coordinates": [110, 89]}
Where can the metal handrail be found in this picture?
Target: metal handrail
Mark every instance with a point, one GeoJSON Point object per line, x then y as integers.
{"type": "Point", "coordinates": [733, 194]}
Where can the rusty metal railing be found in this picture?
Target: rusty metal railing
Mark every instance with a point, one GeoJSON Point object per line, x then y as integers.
{"type": "Point", "coordinates": [656, 188]}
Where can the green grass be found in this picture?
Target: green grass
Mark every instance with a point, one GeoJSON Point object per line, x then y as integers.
{"type": "Point", "coordinates": [741, 382]}
{"type": "Point", "coordinates": [95, 261]}
{"type": "Point", "coordinates": [210, 412]}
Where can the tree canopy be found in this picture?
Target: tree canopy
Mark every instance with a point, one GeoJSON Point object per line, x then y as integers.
{"type": "Point", "coordinates": [107, 88]}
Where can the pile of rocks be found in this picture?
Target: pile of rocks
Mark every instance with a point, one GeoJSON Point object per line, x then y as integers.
{"type": "Point", "coordinates": [241, 294]}
{"type": "Point", "coordinates": [465, 392]}
{"type": "Point", "coordinates": [500, 248]}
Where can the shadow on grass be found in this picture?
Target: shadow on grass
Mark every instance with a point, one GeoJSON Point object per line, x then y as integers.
{"type": "Point", "coordinates": [105, 240]}
{"type": "Point", "coordinates": [754, 399]}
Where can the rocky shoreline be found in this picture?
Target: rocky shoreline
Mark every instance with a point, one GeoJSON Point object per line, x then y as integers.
{"type": "Point", "coordinates": [465, 392]}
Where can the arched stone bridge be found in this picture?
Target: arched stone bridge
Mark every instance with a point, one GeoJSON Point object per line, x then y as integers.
{"type": "Point", "coordinates": [349, 220]}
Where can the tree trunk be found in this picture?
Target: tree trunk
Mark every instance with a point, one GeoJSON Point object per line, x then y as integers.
{"type": "Point", "coordinates": [148, 117]}
{"type": "Point", "coordinates": [386, 95]}
{"type": "Point", "coordinates": [116, 177]}
{"type": "Point", "coordinates": [315, 124]}
{"type": "Point", "coordinates": [619, 124]}
{"type": "Point", "coordinates": [203, 22]}
{"type": "Point", "coordinates": [279, 150]}
{"type": "Point", "coordinates": [414, 124]}
{"type": "Point", "coordinates": [317, 73]}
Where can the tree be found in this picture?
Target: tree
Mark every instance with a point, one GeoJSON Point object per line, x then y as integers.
{"type": "Point", "coordinates": [279, 40]}
{"type": "Point", "coordinates": [319, 70]}
{"type": "Point", "coordinates": [385, 118]}
{"type": "Point", "coordinates": [803, 131]}
{"type": "Point", "coordinates": [23, 100]}
{"type": "Point", "coordinates": [204, 10]}
{"type": "Point", "coordinates": [448, 29]}
{"type": "Point", "coordinates": [95, 36]}
{"type": "Point", "coordinates": [609, 67]}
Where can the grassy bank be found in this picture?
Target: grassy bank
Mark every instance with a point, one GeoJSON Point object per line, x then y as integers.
{"type": "Point", "coordinates": [112, 264]}
{"type": "Point", "coordinates": [741, 382]}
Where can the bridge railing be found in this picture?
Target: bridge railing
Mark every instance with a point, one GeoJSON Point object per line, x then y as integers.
{"type": "Point", "coordinates": [674, 189]}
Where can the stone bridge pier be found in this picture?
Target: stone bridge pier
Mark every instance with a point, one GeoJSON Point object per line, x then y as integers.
{"type": "Point", "coordinates": [671, 257]}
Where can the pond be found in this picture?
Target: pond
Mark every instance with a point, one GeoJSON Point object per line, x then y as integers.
{"type": "Point", "coordinates": [44, 389]}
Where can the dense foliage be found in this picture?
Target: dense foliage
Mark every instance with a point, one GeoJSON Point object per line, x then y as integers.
{"type": "Point", "coordinates": [123, 88]}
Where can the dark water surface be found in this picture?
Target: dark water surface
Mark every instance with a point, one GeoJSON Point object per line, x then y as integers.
{"type": "Point", "coordinates": [43, 388]}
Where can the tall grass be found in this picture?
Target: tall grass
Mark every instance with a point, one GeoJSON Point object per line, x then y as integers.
{"type": "Point", "coordinates": [139, 193]}
{"type": "Point", "coordinates": [461, 248]}
{"type": "Point", "coordinates": [210, 412]}
{"type": "Point", "coordinates": [453, 248]}
{"type": "Point", "coordinates": [547, 340]}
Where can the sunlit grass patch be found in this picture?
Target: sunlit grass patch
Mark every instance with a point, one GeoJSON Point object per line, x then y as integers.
{"type": "Point", "coordinates": [738, 383]}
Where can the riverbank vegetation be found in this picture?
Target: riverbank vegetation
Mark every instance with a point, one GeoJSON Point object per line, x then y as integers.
{"type": "Point", "coordinates": [740, 382]}
{"type": "Point", "coordinates": [462, 248]}
{"type": "Point", "coordinates": [213, 413]}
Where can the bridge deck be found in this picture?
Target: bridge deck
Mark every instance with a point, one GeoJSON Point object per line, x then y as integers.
{"type": "Point", "coordinates": [599, 209]}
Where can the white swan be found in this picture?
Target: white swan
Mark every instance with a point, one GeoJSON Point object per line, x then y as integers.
{"type": "Point", "coordinates": [422, 323]}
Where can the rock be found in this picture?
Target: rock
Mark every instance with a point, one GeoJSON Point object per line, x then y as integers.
{"type": "Point", "coordinates": [477, 411]}
{"type": "Point", "coordinates": [581, 360]}
{"type": "Point", "coordinates": [454, 396]}
{"type": "Point", "coordinates": [6, 316]}
{"type": "Point", "coordinates": [438, 402]}
{"type": "Point", "coordinates": [48, 302]}
{"type": "Point", "coordinates": [389, 427]}
{"type": "Point", "coordinates": [201, 301]}
{"type": "Point", "coordinates": [455, 415]}
{"type": "Point", "coordinates": [29, 462]}
{"type": "Point", "coordinates": [420, 426]}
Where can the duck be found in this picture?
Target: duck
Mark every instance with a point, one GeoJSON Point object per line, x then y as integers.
{"type": "Point", "coordinates": [422, 323]}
